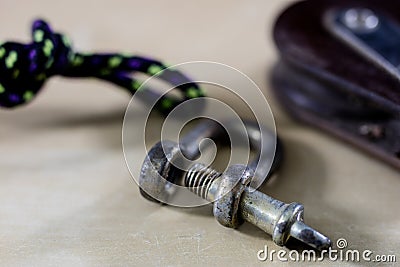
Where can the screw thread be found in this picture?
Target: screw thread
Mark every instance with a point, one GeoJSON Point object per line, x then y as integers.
{"type": "Point", "coordinates": [199, 179]}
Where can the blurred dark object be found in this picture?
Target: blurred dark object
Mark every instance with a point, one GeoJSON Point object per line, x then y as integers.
{"type": "Point", "coordinates": [339, 70]}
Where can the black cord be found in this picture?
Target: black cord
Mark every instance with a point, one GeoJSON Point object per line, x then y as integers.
{"type": "Point", "coordinates": [24, 68]}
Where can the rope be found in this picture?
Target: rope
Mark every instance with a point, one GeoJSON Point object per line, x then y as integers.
{"type": "Point", "coordinates": [25, 68]}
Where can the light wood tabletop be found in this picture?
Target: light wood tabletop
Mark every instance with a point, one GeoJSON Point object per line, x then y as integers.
{"type": "Point", "coordinates": [67, 197]}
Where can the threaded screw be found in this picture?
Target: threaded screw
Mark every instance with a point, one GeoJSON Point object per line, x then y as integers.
{"type": "Point", "coordinates": [276, 218]}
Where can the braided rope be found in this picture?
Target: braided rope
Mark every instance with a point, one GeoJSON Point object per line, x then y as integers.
{"type": "Point", "coordinates": [24, 69]}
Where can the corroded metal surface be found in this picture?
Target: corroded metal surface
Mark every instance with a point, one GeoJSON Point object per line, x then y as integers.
{"type": "Point", "coordinates": [231, 186]}
{"type": "Point", "coordinates": [243, 203]}
{"type": "Point", "coordinates": [156, 172]}
{"type": "Point", "coordinates": [280, 220]}
{"type": "Point", "coordinates": [159, 171]}
{"type": "Point", "coordinates": [234, 200]}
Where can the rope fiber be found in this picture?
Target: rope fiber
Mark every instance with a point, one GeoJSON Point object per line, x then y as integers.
{"type": "Point", "coordinates": [25, 68]}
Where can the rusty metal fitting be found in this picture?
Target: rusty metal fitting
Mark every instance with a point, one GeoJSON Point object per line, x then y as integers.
{"type": "Point", "coordinates": [243, 203]}
{"type": "Point", "coordinates": [224, 190]}
{"type": "Point", "coordinates": [159, 173]}
{"type": "Point", "coordinates": [234, 200]}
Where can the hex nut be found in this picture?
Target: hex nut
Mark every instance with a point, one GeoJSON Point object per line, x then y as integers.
{"type": "Point", "coordinates": [232, 184]}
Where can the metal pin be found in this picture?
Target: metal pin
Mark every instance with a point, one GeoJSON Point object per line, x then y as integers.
{"type": "Point", "coordinates": [243, 203]}
{"type": "Point", "coordinates": [234, 201]}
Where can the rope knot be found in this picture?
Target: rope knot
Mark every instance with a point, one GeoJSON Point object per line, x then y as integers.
{"type": "Point", "coordinates": [25, 68]}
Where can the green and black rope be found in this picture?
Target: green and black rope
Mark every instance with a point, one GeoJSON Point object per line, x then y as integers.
{"type": "Point", "coordinates": [24, 68]}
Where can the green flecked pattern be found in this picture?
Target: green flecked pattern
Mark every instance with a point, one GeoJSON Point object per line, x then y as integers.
{"type": "Point", "coordinates": [28, 95]}
{"type": "Point", "coordinates": [114, 61]}
{"type": "Point", "coordinates": [2, 52]}
{"type": "Point", "coordinates": [38, 36]}
{"type": "Point", "coordinates": [25, 68]}
{"type": "Point", "coordinates": [11, 59]}
{"type": "Point", "coordinates": [167, 103]}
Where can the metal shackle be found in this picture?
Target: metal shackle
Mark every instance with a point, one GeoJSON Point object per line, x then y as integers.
{"type": "Point", "coordinates": [159, 172]}
{"type": "Point", "coordinates": [235, 201]}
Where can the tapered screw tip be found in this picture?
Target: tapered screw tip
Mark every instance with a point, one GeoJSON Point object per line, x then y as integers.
{"type": "Point", "coordinates": [309, 236]}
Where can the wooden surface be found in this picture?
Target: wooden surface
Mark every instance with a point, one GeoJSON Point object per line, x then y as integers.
{"type": "Point", "coordinates": [67, 198]}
